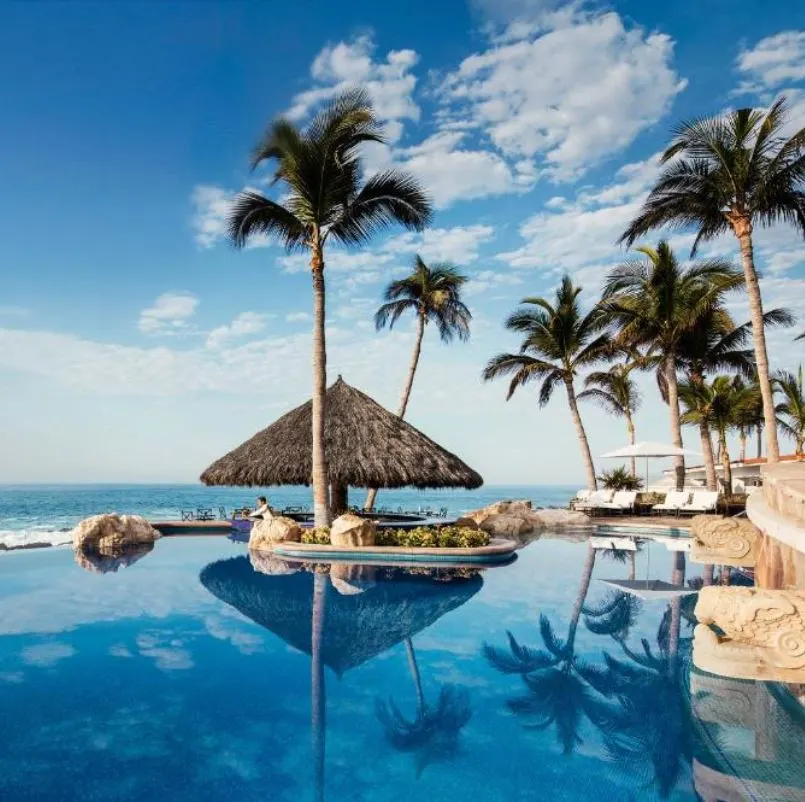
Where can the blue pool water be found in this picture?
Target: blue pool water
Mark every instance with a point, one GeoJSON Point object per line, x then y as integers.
{"type": "Point", "coordinates": [187, 677]}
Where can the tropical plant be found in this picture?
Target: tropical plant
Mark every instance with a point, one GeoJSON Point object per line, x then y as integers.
{"type": "Point", "coordinates": [325, 197]}
{"type": "Point", "coordinates": [617, 393]}
{"type": "Point", "coordinates": [730, 173]}
{"type": "Point", "coordinates": [620, 479]}
{"type": "Point", "coordinates": [791, 410]}
{"type": "Point", "coordinates": [433, 294]}
{"type": "Point", "coordinates": [715, 344]}
{"type": "Point", "coordinates": [656, 302]}
{"type": "Point", "coordinates": [718, 405]}
{"type": "Point", "coordinates": [559, 340]}
{"type": "Point", "coordinates": [561, 687]}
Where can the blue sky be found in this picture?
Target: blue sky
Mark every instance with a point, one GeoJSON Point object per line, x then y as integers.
{"type": "Point", "coordinates": [137, 345]}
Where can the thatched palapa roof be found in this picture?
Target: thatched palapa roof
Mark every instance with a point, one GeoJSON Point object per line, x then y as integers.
{"type": "Point", "coordinates": [359, 627]}
{"type": "Point", "coordinates": [367, 446]}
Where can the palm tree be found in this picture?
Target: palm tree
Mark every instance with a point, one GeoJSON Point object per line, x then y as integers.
{"type": "Point", "coordinates": [715, 344]}
{"type": "Point", "coordinates": [731, 173]}
{"type": "Point", "coordinates": [792, 408]}
{"type": "Point", "coordinates": [716, 404]}
{"type": "Point", "coordinates": [325, 196]}
{"type": "Point", "coordinates": [656, 303]}
{"type": "Point", "coordinates": [559, 341]}
{"type": "Point", "coordinates": [433, 294]}
{"type": "Point", "coordinates": [616, 392]}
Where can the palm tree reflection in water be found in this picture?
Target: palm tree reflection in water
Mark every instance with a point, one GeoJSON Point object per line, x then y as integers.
{"type": "Point", "coordinates": [637, 700]}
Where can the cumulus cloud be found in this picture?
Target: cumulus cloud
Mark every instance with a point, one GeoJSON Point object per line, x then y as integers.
{"type": "Point", "coordinates": [389, 81]}
{"type": "Point", "coordinates": [453, 172]}
{"type": "Point", "coordinates": [211, 206]}
{"type": "Point", "coordinates": [297, 317]}
{"type": "Point", "coordinates": [571, 95]}
{"type": "Point", "coordinates": [773, 62]}
{"type": "Point", "coordinates": [244, 324]}
{"type": "Point", "coordinates": [168, 314]}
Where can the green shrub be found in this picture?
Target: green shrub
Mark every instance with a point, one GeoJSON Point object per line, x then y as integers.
{"type": "Point", "coordinates": [620, 479]}
{"type": "Point", "coordinates": [422, 537]}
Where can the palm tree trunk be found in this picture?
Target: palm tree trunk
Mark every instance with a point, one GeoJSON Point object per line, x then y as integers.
{"type": "Point", "coordinates": [742, 441]}
{"type": "Point", "coordinates": [725, 463]}
{"type": "Point", "coordinates": [415, 676]}
{"type": "Point", "coordinates": [676, 426]}
{"type": "Point", "coordinates": [318, 722]}
{"type": "Point", "coordinates": [632, 565]}
{"type": "Point", "coordinates": [339, 499]}
{"type": "Point", "coordinates": [406, 395]}
{"type": "Point", "coordinates": [742, 226]}
{"type": "Point", "coordinates": [584, 588]}
{"type": "Point", "coordinates": [759, 432]}
{"type": "Point", "coordinates": [709, 459]}
{"type": "Point", "coordinates": [582, 435]}
{"type": "Point", "coordinates": [321, 501]}
{"type": "Point", "coordinates": [707, 574]}
{"type": "Point", "coordinates": [631, 432]}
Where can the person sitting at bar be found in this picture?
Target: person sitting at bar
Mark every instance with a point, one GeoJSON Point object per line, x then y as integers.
{"type": "Point", "coordinates": [263, 510]}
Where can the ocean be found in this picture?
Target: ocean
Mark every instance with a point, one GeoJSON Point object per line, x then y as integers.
{"type": "Point", "coordinates": [46, 513]}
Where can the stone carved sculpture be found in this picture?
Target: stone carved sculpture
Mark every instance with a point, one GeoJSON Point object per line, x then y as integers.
{"type": "Point", "coordinates": [724, 541]}
{"type": "Point", "coordinates": [763, 633]}
{"type": "Point", "coordinates": [352, 530]}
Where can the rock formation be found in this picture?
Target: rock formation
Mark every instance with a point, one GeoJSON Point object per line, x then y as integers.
{"type": "Point", "coordinates": [112, 532]}
{"type": "Point", "coordinates": [724, 541]}
{"type": "Point", "coordinates": [277, 529]}
{"type": "Point", "coordinates": [352, 530]}
{"type": "Point", "coordinates": [516, 519]}
{"type": "Point", "coordinates": [107, 560]}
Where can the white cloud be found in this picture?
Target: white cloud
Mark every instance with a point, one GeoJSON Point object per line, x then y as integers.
{"type": "Point", "coordinates": [572, 95]}
{"type": "Point", "coordinates": [297, 317]}
{"type": "Point", "coordinates": [168, 314]}
{"type": "Point", "coordinates": [210, 209]}
{"type": "Point", "coordinates": [486, 280]}
{"type": "Point", "coordinates": [451, 172]}
{"type": "Point", "coordinates": [459, 244]}
{"type": "Point", "coordinates": [773, 62]}
{"type": "Point", "coordinates": [389, 82]}
{"type": "Point", "coordinates": [244, 324]}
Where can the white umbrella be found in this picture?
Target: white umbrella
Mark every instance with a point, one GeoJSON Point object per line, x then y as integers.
{"type": "Point", "coordinates": [648, 449]}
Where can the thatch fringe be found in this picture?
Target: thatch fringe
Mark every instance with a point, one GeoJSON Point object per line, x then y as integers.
{"type": "Point", "coordinates": [367, 446]}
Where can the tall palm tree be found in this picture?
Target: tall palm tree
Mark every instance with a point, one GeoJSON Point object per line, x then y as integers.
{"type": "Point", "coordinates": [656, 302]}
{"type": "Point", "coordinates": [433, 294]}
{"type": "Point", "coordinates": [559, 341]}
{"type": "Point", "coordinates": [792, 407]}
{"type": "Point", "coordinates": [617, 393]}
{"type": "Point", "coordinates": [716, 345]}
{"type": "Point", "coordinates": [716, 404]}
{"type": "Point", "coordinates": [325, 197]}
{"type": "Point", "coordinates": [730, 173]}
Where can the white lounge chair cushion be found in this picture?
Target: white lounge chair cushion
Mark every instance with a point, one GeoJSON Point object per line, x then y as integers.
{"type": "Point", "coordinates": [702, 500]}
{"type": "Point", "coordinates": [674, 500]}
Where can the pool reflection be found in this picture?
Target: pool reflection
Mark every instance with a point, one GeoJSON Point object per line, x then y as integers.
{"type": "Point", "coordinates": [343, 615]}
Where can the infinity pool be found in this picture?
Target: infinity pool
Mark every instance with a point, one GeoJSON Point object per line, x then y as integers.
{"type": "Point", "coordinates": [188, 676]}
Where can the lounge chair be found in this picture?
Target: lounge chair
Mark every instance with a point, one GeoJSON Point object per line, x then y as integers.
{"type": "Point", "coordinates": [674, 501]}
{"type": "Point", "coordinates": [702, 501]}
{"type": "Point", "coordinates": [580, 498]}
{"type": "Point", "coordinates": [623, 501]}
{"type": "Point", "coordinates": [596, 500]}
